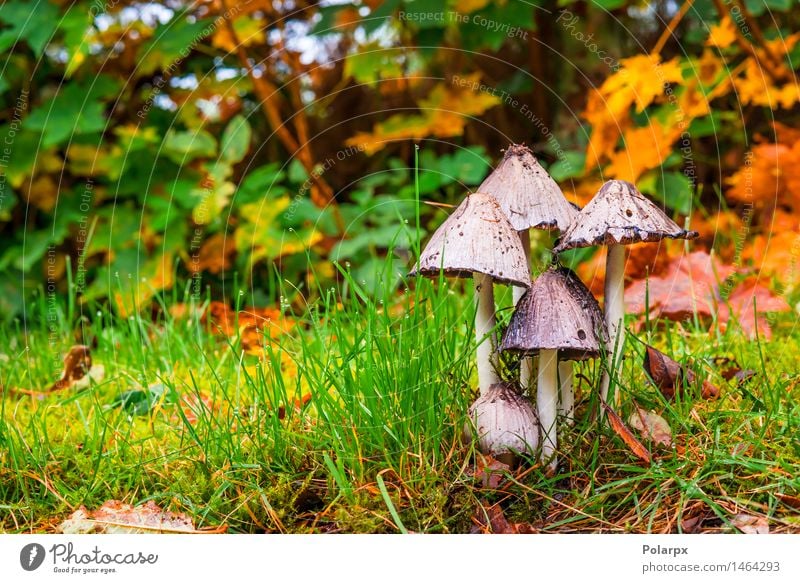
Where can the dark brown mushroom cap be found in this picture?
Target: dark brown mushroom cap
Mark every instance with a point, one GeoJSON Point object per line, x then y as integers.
{"type": "Point", "coordinates": [620, 215]}
{"type": "Point", "coordinates": [529, 197]}
{"type": "Point", "coordinates": [476, 238]}
{"type": "Point", "coordinates": [559, 313]}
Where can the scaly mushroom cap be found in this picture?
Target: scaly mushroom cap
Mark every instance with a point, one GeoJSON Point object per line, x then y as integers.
{"type": "Point", "coordinates": [529, 197]}
{"type": "Point", "coordinates": [504, 420]}
{"type": "Point", "coordinates": [477, 237]}
{"type": "Point", "coordinates": [620, 215]}
{"type": "Point", "coordinates": [559, 313]}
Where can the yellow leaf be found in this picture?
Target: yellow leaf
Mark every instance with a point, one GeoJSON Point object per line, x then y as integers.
{"type": "Point", "coordinates": [722, 35]}
{"type": "Point", "coordinates": [645, 148]}
{"type": "Point", "coordinates": [640, 79]}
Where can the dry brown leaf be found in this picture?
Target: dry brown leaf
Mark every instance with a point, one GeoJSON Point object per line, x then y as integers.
{"type": "Point", "coordinates": [651, 426]}
{"type": "Point", "coordinates": [79, 373]}
{"type": "Point", "coordinates": [791, 501]}
{"type": "Point", "coordinates": [491, 520]}
{"type": "Point", "coordinates": [627, 436]}
{"type": "Point", "coordinates": [668, 375]}
{"type": "Point", "coordinates": [115, 517]}
{"type": "Point", "coordinates": [749, 524]}
{"type": "Point", "coordinates": [489, 471]}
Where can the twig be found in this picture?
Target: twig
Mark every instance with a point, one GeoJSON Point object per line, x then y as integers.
{"type": "Point", "coordinates": [321, 193]}
{"type": "Point", "coordinates": [662, 40]}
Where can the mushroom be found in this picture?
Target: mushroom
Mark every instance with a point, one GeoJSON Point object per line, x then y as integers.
{"type": "Point", "coordinates": [531, 199]}
{"type": "Point", "coordinates": [556, 318]}
{"type": "Point", "coordinates": [505, 423]}
{"type": "Point", "coordinates": [477, 240]}
{"type": "Point", "coordinates": [618, 215]}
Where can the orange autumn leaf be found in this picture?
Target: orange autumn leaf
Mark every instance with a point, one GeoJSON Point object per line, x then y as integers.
{"type": "Point", "coordinates": [777, 255]}
{"type": "Point", "coordinates": [708, 67]}
{"type": "Point", "coordinates": [756, 87]}
{"type": "Point", "coordinates": [645, 148]}
{"type": "Point", "coordinates": [443, 114]}
{"type": "Point", "coordinates": [249, 31]}
{"type": "Point", "coordinates": [640, 80]}
{"type": "Point", "coordinates": [215, 255]}
{"type": "Point", "coordinates": [627, 435]}
{"type": "Point", "coordinates": [766, 177]}
{"type": "Point", "coordinates": [692, 102]}
{"type": "Point", "coordinates": [722, 35]}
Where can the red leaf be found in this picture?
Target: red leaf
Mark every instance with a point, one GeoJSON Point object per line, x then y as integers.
{"type": "Point", "coordinates": [741, 307]}
{"type": "Point", "coordinates": [688, 286]}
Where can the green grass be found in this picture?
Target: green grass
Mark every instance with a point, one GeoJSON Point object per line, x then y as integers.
{"type": "Point", "coordinates": [378, 447]}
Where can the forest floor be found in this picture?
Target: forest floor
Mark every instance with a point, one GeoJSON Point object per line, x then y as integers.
{"type": "Point", "coordinates": [348, 418]}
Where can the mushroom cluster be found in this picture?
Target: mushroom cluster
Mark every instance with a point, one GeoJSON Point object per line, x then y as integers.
{"type": "Point", "coordinates": [556, 318]}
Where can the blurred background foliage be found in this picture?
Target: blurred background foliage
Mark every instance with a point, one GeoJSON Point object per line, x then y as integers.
{"type": "Point", "coordinates": [211, 146]}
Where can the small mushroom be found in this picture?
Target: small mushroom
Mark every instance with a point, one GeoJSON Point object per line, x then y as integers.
{"type": "Point", "coordinates": [557, 318]}
{"type": "Point", "coordinates": [478, 241]}
{"type": "Point", "coordinates": [505, 423]}
{"type": "Point", "coordinates": [531, 199]}
{"type": "Point", "coordinates": [618, 215]}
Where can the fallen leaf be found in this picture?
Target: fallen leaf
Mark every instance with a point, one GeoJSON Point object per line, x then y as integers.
{"type": "Point", "coordinates": [627, 436]}
{"type": "Point", "coordinates": [194, 406]}
{"type": "Point", "coordinates": [489, 471]}
{"type": "Point", "coordinates": [744, 376]}
{"type": "Point", "coordinates": [688, 286]}
{"type": "Point", "coordinates": [693, 516]}
{"type": "Point", "coordinates": [746, 304]}
{"type": "Point", "coordinates": [791, 501]}
{"type": "Point", "coordinates": [491, 520]}
{"type": "Point", "coordinates": [115, 517]}
{"type": "Point", "coordinates": [652, 426]}
{"type": "Point", "coordinates": [750, 524]}
{"type": "Point", "coordinates": [668, 375]}
{"type": "Point", "coordinates": [77, 363]}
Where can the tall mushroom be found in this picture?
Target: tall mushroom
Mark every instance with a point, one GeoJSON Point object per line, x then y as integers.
{"type": "Point", "coordinates": [618, 215]}
{"type": "Point", "coordinates": [531, 199]}
{"type": "Point", "coordinates": [505, 423]}
{"type": "Point", "coordinates": [478, 241]}
{"type": "Point", "coordinates": [556, 318]}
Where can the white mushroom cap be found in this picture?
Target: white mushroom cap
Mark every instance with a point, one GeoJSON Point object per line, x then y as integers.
{"type": "Point", "coordinates": [528, 195]}
{"type": "Point", "coordinates": [505, 422]}
{"type": "Point", "coordinates": [620, 215]}
{"type": "Point", "coordinates": [558, 312]}
{"type": "Point", "coordinates": [477, 237]}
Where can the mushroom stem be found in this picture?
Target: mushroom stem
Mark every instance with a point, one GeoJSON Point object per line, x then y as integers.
{"type": "Point", "coordinates": [526, 364]}
{"type": "Point", "coordinates": [566, 406]}
{"type": "Point", "coordinates": [484, 326]}
{"type": "Point", "coordinates": [546, 404]}
{"type": "Point", "coordinates": [615, 316]}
